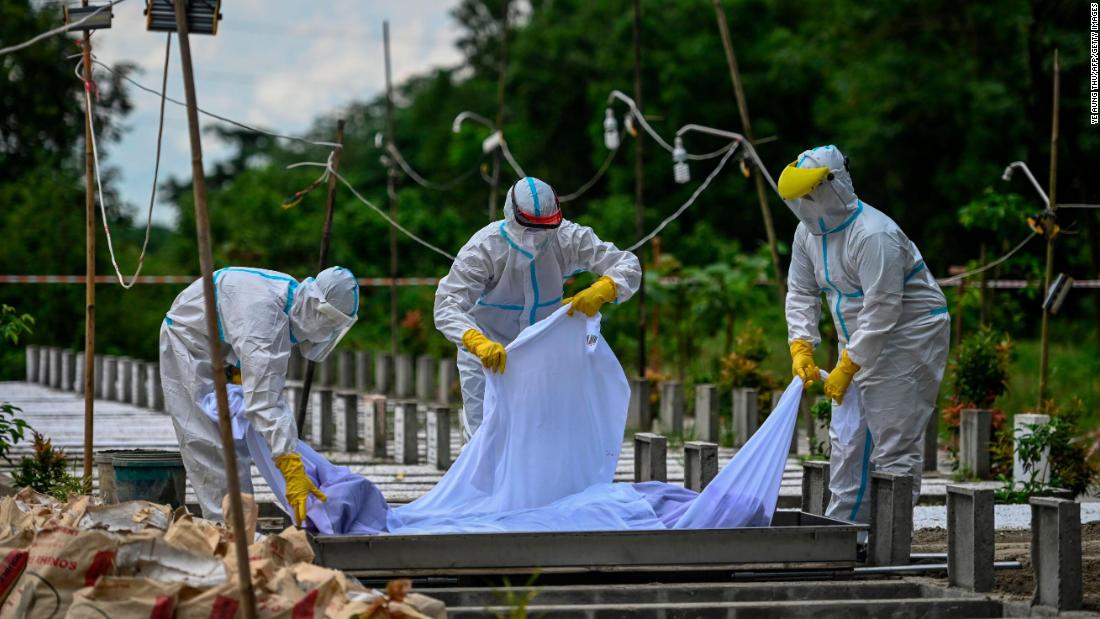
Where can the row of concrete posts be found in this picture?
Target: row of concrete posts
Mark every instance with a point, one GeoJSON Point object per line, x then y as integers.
{"type": "Point", "coordinates": [118, 379]}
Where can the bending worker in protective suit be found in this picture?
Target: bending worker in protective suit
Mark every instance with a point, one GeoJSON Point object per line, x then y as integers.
{"type": "Point", "coordinates": [261, 315]}
{"type": "Point", "coordinates": [510, 274]}
{"type": "Point", "coordinates": [890, 315]}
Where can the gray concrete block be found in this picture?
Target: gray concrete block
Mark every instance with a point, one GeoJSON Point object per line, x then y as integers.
{"type": "Point", "coordinates": [352, 419]}
{"type": "Point", "coordinates": [324, 373]}
{"type": "Point", "coordinates": [815, 487]}
{"type": "Point", "coordinates": [30, 354]}
{"type": "Point", "coordinates": [78, 373]}
{"type": "Point", "coordinates": [55, 367]}
{"type": "Point", "coordinates": [325, 418]}
{"type": "Point", "coordinates": [345, 369]}
{"type": "Point", "coordinates": [403, 376]}
{"type": "Point", "coordinates": [745, 415]}
{"type": "Point", "coordinates": [156, 391]}
{"type": "Point", "coordinates": [68, 370]}
{"type": "Point", "coordinates": [139, 392]}
{"type": "Point", "coordinates": [975, 432]}
{"type": "Point", "coordinates": [110, 378]}
{"type": "Point", "coordinates": [362, 371]}
{"type": "Point", "coordinates": [97, 380]}
{"type": "Point", "coordinates": [891, 519]}
{"type": "Point", "coordinates": [700, 464]}
{"type": "Point", "coordinates": [296, 366]}
{"type": "Point", "coordinates": [439, 437]}
{"type": "Point", "coordinates": [295, 391]}
{"type": "Point", "coordinates": [405, 429]}
{"type": "Point", "coordinates": [44, 365]}
{"type": "Point", "coordinates": [375, 409]}
{"type": "Point", "coordinates": [650, 453]}
{"type": "Point", "coordinates": [1022, 427]}
{"type": "Point", "coordinates": [638, 416]}
{"type": "Point", "coordinates": [1056, 552]}
{"type": "Point", "coordinates": [706, 412]}
{"type": "Point", "coordinates": [425, 378]}
{"type": "Point", "coordinates": [125, 378]}
{"type": "Point", "coordinates": [970, 531]}
{"type": "Point", "coordinates": [383, 373]}
{"type": "Point", "coordinates": [447, 381]}
{"type": "Point", "coordinates": [672, 407]}
{"type": "Point", "coordinates": [932, 442]}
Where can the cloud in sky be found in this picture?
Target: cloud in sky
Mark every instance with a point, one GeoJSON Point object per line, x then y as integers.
{"type": "Point", "coordinates": [277, 64]}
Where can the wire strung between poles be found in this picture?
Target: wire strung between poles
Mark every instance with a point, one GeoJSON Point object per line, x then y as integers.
{"type": "Point", "coordinates": [592, 181]}
{"type": "Point", "coordinates": [954, 278]}
{"type": "Point", "coordinates": [423, 182]}
{"type": "Point", "coordinates": [58, 30]}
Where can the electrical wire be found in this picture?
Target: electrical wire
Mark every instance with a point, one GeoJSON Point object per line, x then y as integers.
{"type": "Point", "coordinates": [592, 181]}
{"type": "Point", "coordinates": [954, 278]}
{"type": "Point", "coordinates": [511, 160]}
{"type": "Point", "coordinates": [423, 182]}
{"type": "Point", "coordinates": [732, 148]}
{"type": "Point", "coordinates": [224, 119]}
{"type": "Point", "coordinates": [405, 231]}
{"type": "Point", "coordinates": [58, 30]}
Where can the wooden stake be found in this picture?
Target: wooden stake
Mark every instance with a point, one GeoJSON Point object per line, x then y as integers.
{"type": "Point", "coordinates": [322, 261]}
{"type": "Point", "coordinates": [639, 189]}
{"type": "Point", "coordinates": [391, 193]}
{"type": "Point", "coordinates": [89, 272]}
{"type": "Point", "coordinates": [743, 108]}
{"type": "Point", "coordinates": [206, 264]}
{"type": "Point", "coordinates": [1048, 273]}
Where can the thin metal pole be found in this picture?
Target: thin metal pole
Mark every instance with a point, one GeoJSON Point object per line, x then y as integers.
{"type": "Point", "coordinates": [322, 260]}
{"type": "Point", "coordinates": [89, 271]}
{"type": "Point", "coordinates": [639, 189]}
{"type": "Point", "coordinates": [502, 75]}
{"type": "Point", "coordinates": [1048, 273]}
{"type": "Point", "coordinates": [206, 264]}
{"type": "Point", "coordinates": [743, 108]}
{"type": "Point", "coordinates": [391, 192]}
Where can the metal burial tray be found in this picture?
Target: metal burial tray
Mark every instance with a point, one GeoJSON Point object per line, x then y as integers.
{"type": "Point", "coordinates": [794, 538]}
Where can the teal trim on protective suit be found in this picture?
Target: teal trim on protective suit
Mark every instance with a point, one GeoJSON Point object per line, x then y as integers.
{"type": "Point", "coordinates": [168, 321]}
{"type": "Point", "coordinates": [938, 311]}
{"type": "Point", "coordinates": [534, 196]}
{"type": "Point", "coordinates": [917, 269]}
{"type": "Point", "coordinates": [534, 274]}
{"type": "Point", "coordinates": [292, 285]}
{"type": "Point", "coordinates": [501, 306]}
{"type": "Point", "coordinates": [862, 477]}
{"type": "Point", "coordinates": [825, 255]}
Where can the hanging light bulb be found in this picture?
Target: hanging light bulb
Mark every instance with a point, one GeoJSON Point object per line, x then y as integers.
{"type": "Point", "coordinates": [680, 171]}
{"type": "Point", "coordinates": [610, 130]}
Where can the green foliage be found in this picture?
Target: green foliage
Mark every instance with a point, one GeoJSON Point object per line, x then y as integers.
{"type": "Point", "coordinates": [12, 325]}
{"type": "Point", "coordinates": [822, 412]}
{"type": "Point", "coordinates": [46, 471]}
{"type": "Point", "coordinates": [981, 368]}
{"type": "Point", "coordinates": [12, 428]}
{"type": "Point", "coordinates": [742, 368]}
{"type": "Point", "coordinates": [517, 601]}
{"type": "Point", "coordinates": [996, 212]}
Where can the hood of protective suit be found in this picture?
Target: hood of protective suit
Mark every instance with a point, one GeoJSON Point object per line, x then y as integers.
{"type": "Point", "coordinates": [532, 214]}
{"type": "Point", "coordinates": [833, 200]}
{"type": "Point", "coordinates": [324, 309]}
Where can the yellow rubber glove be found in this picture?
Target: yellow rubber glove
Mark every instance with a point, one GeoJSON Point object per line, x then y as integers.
{"type": "Point", "coordinates": [492, 354]}
{"type": "Point", "coordinates": [836, 384]}
{"type": "Point", "coordinates": [298, 485]}
{"type": "Point", "coordinates": [802, 362]}
{"type": "Point", "coordinates": [591, 299]}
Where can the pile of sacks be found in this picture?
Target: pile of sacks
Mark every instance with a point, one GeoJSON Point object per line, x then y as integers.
{"type": "Point", "coordinates": [139, 560]}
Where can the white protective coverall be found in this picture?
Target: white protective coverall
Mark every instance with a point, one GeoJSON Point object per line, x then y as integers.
{"type": "Point", "coordinates": [890, 315]}
{"type": "Point", "coordinates": [509, 276]}
{"type": "Point", "coordinates": [261, 315]}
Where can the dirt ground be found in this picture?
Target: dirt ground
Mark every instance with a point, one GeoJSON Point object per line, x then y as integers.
{"type": "Point", "coordinates": [1016, 546]}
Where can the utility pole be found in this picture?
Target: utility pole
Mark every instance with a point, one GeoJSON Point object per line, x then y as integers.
{"type": "Point", "coordinates": [1049, 227]}
{"type": "Point", "coordinates": [743, 108]}
{"type": "Point", "coordinates": [502, 75]}
{"type": "Point", "coordinates": [322, 260]}
{"type": "Point", "coordinates": [391, 191]}
{"type": "Point", "coordinates": [639, 188]}
{"type": "Point", "coordinates": [206, 264]}
{"type": "Point", "coordinates": [89, 267]}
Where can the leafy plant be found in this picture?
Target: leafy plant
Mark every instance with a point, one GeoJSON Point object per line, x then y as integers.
{"type": "Point", "coordinates": [821, 411]}
{"type": "Point", "coordinates": [517, 601]}
{"type": "Point", "coordinates": [1068, 461]}
{"type": "Point", "coordinates": [46, 472]}
{"type": "Point", "coordinates": [981, 368]}
{"type": "Point", "coordinates": [12, 325]}
{"type": "Point", "coordinates": [12, 428]}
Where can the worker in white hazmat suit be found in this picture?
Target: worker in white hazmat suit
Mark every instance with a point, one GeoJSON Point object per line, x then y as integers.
{"type": "Point", "coordinates": [890, 315]}
{"type": "Point", "coordinates": [510, 275]}
{"type": "Point", "coordinates": [261, 315]}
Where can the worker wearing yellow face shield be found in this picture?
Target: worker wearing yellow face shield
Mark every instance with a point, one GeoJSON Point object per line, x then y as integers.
{"type": "Point", "coordinates": [890, 316]}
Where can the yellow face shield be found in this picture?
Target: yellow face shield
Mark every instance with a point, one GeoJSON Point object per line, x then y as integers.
{"type": "Point", "coordinates": [796, 182]}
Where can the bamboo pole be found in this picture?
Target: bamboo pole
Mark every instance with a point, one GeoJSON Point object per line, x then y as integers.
{"type": "Point", "coordinates": [206, 264]}
{"type": "Point", "coordinates": [322, 260]}
{"type": "Point", "coordinates": [743, 109]}
{"type": "Point", "coordinates": [1048, 272]}
{"type": "Point", "coordinates": [639, 190]}
{"type": "Point", "coordinates": [502, 76]}
{"type": "Point", "coordinates": [89, 271]}
{"type": "Point", "coordinates": [391, 192]}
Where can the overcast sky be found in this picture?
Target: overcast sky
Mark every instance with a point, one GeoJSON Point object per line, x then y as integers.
{"type": "Point", "coordinates": [277, 64]}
